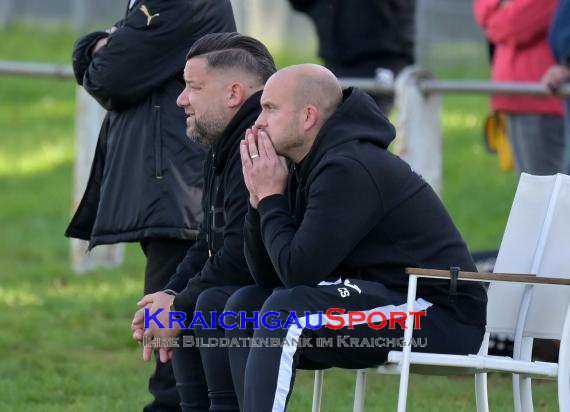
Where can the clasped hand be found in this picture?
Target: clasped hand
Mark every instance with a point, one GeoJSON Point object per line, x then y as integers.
{"type": "Point", "coordinates": [153, 302]}
{"type": "Point", "coordinates": [264, 171]}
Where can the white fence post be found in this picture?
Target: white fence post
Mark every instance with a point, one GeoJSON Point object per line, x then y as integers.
{"type": "Point", "coordinates": [253, 17]}
{"type": "Point", "coordinates": [419, 140]}
{"type": "Point", "coordinates": [6, 10]}
{"type": "Point", "coordinates": [79, 14]}
{"type": "Point", "coordinates": [89, 116]}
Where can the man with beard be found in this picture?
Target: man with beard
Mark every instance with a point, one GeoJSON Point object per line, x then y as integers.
{"type": "Point", "coordinates": [224, 77]}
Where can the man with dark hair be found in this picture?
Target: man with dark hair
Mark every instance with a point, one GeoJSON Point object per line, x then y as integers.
{"type": "Point", "coordinates": [337, 231]}
{"type": "Point", "coordinates": [146, 178]}
{"type": "Point", "coordinates": [224, 76]}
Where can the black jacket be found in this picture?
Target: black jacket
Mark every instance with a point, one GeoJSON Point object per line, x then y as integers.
{"type": "Point", "coordinates": [357, 36]}
{"type": "Point", "coordinates": [217, 259]}
{"type": "Point", "coordinates": [356, 210]}
{"type": "Point", "coordinates": [146, 178]}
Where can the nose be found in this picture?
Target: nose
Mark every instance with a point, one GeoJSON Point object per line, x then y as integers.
{"type": "Point", "coordinates": [260, 122]}
{"type": "Point", "coordinates": [182, 99]}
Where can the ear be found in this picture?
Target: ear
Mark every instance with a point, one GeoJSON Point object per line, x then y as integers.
{"type": "Point", "coordinates": [235, 95]}
{"type": "Point", "coordinates": [311, 117]}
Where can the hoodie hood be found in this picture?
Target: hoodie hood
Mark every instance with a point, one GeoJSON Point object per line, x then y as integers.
{"type": "Point", "coordinates": [357, 118]}
{"type": "Point", "coordinates": [234, 131]}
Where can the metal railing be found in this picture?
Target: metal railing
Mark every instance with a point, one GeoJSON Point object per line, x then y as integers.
{"type": "Point", "coordinates": [419, 125]}
{"type": "Point", "coordinates": [370, 85]}
{"type": "Point", "coordinates": [60, 71]}
{"type": "Point", "coordinates": [459, 86]}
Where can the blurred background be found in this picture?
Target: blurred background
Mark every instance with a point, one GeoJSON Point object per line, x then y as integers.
{"type": "Point", "coordinates": [66, 344]}
{"type": "Point", "coordinates": [447, 36]}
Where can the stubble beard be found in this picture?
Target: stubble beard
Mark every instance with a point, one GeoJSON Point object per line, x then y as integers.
{"type": "Point", "coordinates": [206, 132]}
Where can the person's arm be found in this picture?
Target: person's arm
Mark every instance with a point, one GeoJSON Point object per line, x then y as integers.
{"type": "Point", "coordinates": [256, 255]}
{"type": "Point", "coordinates": [514, 22]}
{"type": "Point", "coordinates": [145, 51]}
{"type": "Point", "coordinates": [343, 204]}
{"type": "Point", "coordinates": [227, 266]}
{"type": "Point", "coordinates": [556, 76]}
{"type": "Point", "coordinates": [192, 263]}
{"type": "Point", "coordinates": [560, 34]}
{"type": "Point", "coordinates": [483, 10]}
{"type": "Point", "coordinates": [83, 53]}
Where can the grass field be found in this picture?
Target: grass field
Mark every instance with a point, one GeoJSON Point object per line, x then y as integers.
{"type": "Point", "coordinates": [66, 343]}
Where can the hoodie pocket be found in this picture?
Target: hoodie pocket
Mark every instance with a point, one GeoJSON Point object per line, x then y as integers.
{"type": "Point", "coordinates": [157, 143]}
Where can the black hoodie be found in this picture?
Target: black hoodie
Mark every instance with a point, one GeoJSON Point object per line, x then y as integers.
{"type": "Point", "coordinates": [356, 210]}
{"type": "Point", "coordinates": [217, 258]}
{"type": "Point", "coordinates": [357, 36]}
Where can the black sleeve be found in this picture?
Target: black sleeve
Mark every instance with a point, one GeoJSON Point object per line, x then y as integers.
{"type": "Point", "coordinates": [343, 204]}
{"type": "Point", "coordinates": [192, 263]}
{"type": "Point", "coordinates": [227, 266]}
{"type": "Point", "coordinates": [256, 255]}
{"type": "Point", "coordinates": [140, 56]}
{"type": "Point", "coordinates": [81, 56]}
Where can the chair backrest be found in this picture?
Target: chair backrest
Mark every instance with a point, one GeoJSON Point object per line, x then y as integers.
{"type": "Point", "coordinates": [537, 241]}
{"type": "Point", "coordinates": [549, 303]}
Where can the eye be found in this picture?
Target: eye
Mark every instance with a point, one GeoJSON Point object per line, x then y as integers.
{"type": "Point", "coordinates": [192, 86]}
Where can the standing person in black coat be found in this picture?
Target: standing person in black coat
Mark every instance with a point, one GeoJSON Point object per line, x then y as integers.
{"type": "Point", "coordinates": [337, 231]}
{"type": "Point", "coordinates": [357, 37]}
{"type": "Point", "coordinates": [224, 76]}
{"type": "Point", "coordinates": [146, 179]}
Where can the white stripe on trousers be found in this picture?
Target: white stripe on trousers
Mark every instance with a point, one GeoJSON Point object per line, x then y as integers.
{"type": "Point", "coordinates": [286, 363]}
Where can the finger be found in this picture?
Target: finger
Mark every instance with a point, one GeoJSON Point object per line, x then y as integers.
{"type": "Point", "coordinates": [252, 146]}
{"type": "Point", "coordinates": [146, 300]}
{"type": "Point", "coordinates": [138, 335]}
{"type": "Point", "coordinates": [245, 159]}
{"type": "Point", "coordinates": [254, 132]}
{"type": "Point", "coordinates": [138, 319]}
{"type": "Point", "coordinates": [267, 145]}
{"type": "Point", "coordinates": [163, 354]}
{"type": "Point", "coordinates": [261, 146]}
{"type": "Point", "coordinates": [551, 88]}
{"type": "Point", "coordinates": [553, 85]}
{"type": "Point", "coordinates": [147, 353]}
{"type": "Point", "coordinates": [148, 333]}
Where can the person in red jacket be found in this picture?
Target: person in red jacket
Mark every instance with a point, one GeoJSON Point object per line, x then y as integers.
{"type": "Point", "coordinates": [519, 31]}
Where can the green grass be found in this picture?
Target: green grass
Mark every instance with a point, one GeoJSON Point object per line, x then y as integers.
{"type": "Point", "coordinates": [66, 344]}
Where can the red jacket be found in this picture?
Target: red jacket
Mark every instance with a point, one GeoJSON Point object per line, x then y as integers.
{"type": "Point", "coordinates": [519, 29]}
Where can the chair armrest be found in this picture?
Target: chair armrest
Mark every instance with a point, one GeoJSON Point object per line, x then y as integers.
{"type": "Point", "coordinates": [488, 277]}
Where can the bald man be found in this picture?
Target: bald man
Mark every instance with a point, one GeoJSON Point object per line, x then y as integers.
{"type": "Point", "coordinates": [336, 230]}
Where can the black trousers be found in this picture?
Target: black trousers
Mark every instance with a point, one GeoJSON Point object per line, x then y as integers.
{"type": "Point", "coordinates": [194, 366]}
{"type": "Point", "coordinates": [162, 258]}
{"type": "Point", "coordinates": [263, 376]}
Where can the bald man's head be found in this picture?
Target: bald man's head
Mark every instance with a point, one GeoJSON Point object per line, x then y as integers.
{"type": "Point", "coordinates": [296, 102]}
{"type": "Point", "coordinates": [311, 84]}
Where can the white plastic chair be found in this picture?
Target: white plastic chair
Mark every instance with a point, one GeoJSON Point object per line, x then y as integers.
{"type": "Point", "coordinates": [522, 302]}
